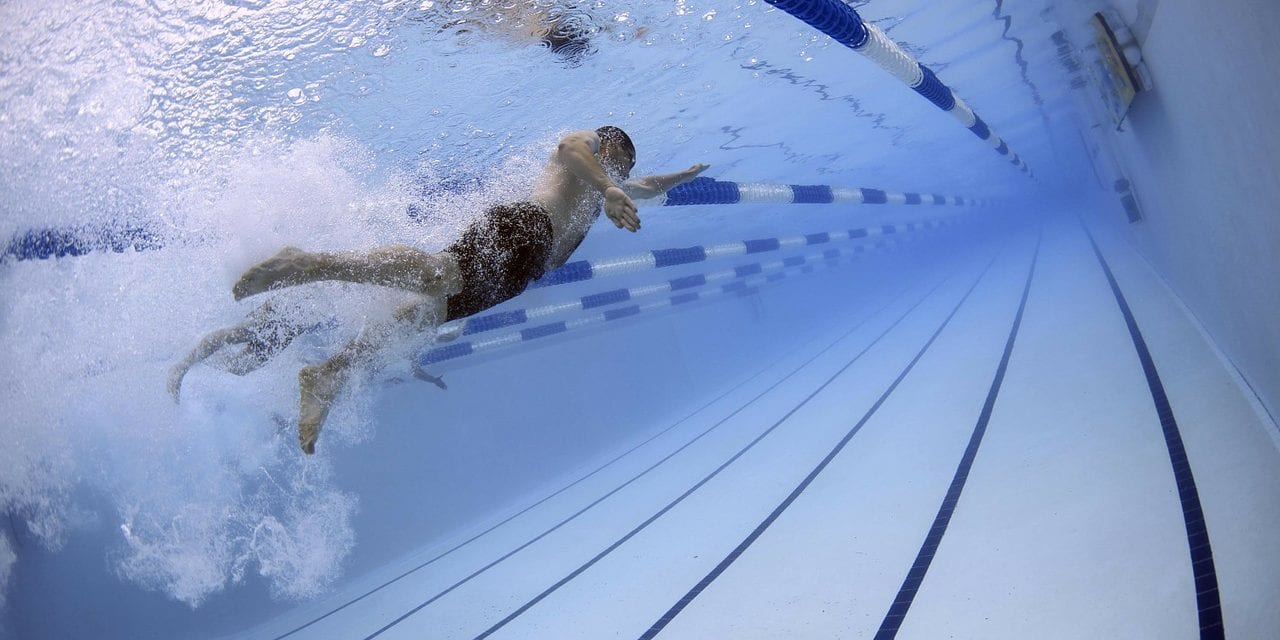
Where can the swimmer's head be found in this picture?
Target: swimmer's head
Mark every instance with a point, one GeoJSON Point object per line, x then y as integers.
{"type": "Point", "coordinates": [617, 152]}
{"type": "Point", "coordinates": [567, 33]}
{"type": "Point", "coordinates": [571, 45]}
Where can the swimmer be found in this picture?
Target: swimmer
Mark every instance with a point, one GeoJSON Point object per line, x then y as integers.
{"type": "Point", "coordinates": [265, 332]}
{"type": "Point", "coordinates": [566, 29]}
{"type": "Point", "coordinates": [493, 261]}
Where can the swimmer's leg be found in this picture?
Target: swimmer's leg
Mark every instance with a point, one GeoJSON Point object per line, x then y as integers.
{"type": "Point", "coordinates": [319, 384]}
{"type": "Point", "coordinates": [272, 332]}
{"type": "Point", "coordinates": [209, 345]}
{"type": "Point", "coordinates": [399, 266]}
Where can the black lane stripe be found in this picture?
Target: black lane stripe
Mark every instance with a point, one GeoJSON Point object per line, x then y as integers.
{"type": "Point", "coordinates": [536, 504]}
{"type": "Point", "coordinates": [602, 467]}
{"type": "Point", "coordinates": [660, 462]}
{"type": "Point", "coordinates": [1208, 602]}
{"type": "Point", "coordinates": [708, 477]}
{"type": "Point", "coordinates": [706, 581]}
{"type": "Point", "coordinates": [907, 592]}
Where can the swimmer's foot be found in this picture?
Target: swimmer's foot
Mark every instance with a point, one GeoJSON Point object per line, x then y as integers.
{"type": "Point", "coordinates": [284, 268]}
{"type": "Point", "coordinates": [449, 331]}
{"type": "Point", "coordinates": [176, 374]}
{"type": "Point", "coordinates": [318, 385]}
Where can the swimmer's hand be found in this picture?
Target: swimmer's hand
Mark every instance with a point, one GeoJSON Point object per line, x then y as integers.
{"type": "Point", "coordinates": [426, 377]}
{"type": "Point", "coordinates": [656, 185]}
{"type": "Point", "coordinates": [621, 209]}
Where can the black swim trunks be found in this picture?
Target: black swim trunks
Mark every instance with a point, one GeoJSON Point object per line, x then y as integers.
{"type": "Point", "coordinates": [499, 255]}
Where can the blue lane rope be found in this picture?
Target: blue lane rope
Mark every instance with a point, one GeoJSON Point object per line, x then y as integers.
{"type": "Point", "coordinates": [844, 25]}
{"type": "Point", "coordinates": [61, 242]}
{"type": "Point", "coordinates": [745, 285]}
{"type": "Point", "coordinates": [700, 191]}
{"type": "Point", "coordinates": [78, 240]}
{"type": "Point", "coordinates": [581, 270]}
{"type": "Point", "coordinates": [460, 349]}
{"type": "Point", "coordinates": [508, 318]}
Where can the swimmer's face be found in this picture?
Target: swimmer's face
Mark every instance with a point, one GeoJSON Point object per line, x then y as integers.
{"type": "Point", "coordinates": [617, 159]}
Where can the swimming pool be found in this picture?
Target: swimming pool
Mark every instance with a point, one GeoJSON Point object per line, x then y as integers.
{"type": "Point", "coordinates": [866, 378]}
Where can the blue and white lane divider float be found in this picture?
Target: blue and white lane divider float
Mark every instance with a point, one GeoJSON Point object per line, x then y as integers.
{"type": "Point", "coordinates": [845, 26]}
{"type": "Point", "coordinates": [581, 270]}
{"type": "Point", "coordinates": [744, 285]}
{"type": "Point", "coordinates": [60, 242]}
{"type": "Point", "coordinates": [461, 349]}
{"type": "Point", "coordinates": [503, 319]}
{"type": "Point", "coordinates": [710, 191]}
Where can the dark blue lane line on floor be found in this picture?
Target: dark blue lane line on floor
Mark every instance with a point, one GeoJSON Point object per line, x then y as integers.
{"type": "Point", "coordinates": [539, 502]}
{"type": "Point", "coordinates": [907, 592]}
{"type": "Point", "coordinates": [1208, 602]}
{"type": "Point", "coordinates": [651, 468]}
{"type": "Point", "coordinates": [587, 565]}
{"type": "Point", "coordinates": [706, 581]}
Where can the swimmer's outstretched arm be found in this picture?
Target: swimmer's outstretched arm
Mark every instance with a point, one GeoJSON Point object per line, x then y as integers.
{"type": "Point", "coordinates": [656, 185]}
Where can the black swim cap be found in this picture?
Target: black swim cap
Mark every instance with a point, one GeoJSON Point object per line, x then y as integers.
{"type": "Point", "coordinates": [610, 133]}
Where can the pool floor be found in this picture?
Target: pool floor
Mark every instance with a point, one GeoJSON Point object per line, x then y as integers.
{"type": "Point", "coordinates": [983, 455]}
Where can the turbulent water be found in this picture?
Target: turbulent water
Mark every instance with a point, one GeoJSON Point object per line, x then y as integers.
{"type": "Point", "coordinates": [207, 123]}
{"type": "Point", "coordinates": [231, 128]}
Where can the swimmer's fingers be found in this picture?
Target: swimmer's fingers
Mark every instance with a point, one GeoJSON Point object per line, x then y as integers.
{"type": "Point", "coordinates": [631, 218]}
{"type": "Point", "coordinates": [631, 221]}
{"type": "Point", "coordinates": [624, 216]}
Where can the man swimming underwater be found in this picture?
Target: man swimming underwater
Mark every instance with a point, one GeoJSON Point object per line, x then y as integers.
{"type": "Point", "coordinates": [493, 261]}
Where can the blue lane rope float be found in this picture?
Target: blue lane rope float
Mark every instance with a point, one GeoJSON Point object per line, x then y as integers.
{"type": "Point", "coordinates": [60, 242]}
{"type": "Point", "coordinates": [581, 270]}
{"type": "Point", "coordinates": [71, 241]}
{"type": "Point", "coordinates": [741, 285]}
{"type": "Point", "coordinates": [513, 317]}
{"type": "Point", "coordinates": [703, 190]}
{"type": "Point", "coordinates": [843, 24]}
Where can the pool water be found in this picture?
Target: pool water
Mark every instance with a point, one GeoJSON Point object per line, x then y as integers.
{"type": "Point", "coordinates": [944, 425]}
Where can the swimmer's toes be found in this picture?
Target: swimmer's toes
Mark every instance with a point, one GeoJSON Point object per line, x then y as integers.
{"type": "Point", "coordinates": [308, 443]}
{"type": "Point", "coordinates": [308, 433]}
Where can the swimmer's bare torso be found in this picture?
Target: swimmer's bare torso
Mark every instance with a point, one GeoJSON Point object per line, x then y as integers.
{"type": "Point", "coordinates": [581, 179]}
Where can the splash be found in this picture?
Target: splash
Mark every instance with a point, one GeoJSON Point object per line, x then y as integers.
{"type": "Point", "coordinates": [212, 489]}
{"type": "Point", "coordinates": [224, 128]}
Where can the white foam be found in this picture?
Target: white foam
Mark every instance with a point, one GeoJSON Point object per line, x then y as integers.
{"type": "Point", "coordinates": [214, 489]}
